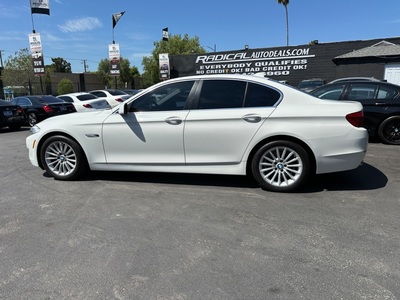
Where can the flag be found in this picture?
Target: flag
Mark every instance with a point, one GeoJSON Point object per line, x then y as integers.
{"type": "Point", "coordinates": [116, 17]}
{"type": "Point", "coordinates": [165, 34]}
{"type": "Point", "coordinates": [40, 7]}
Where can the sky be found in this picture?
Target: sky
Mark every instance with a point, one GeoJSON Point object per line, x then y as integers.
{"type": "Point", "coordinates": [80, 30]}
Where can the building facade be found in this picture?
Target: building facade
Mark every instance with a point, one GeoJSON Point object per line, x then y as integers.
{"type": "Point", "coordinates": [379, 58]}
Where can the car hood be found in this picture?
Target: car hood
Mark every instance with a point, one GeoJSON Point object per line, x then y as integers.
{"type": "Point", "coordinates": [89, 117]}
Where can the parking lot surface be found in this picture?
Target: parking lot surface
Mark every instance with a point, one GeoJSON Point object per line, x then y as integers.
{"type": "Point", "coordinates": [179, 236]}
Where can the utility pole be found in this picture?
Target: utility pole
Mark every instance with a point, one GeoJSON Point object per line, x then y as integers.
{"type": "Point", "coordinates": [1, 59]}
{"type": "Point", "coordinates": [1, 73]}
{"type": "Point", "coordinates": [85, 66]}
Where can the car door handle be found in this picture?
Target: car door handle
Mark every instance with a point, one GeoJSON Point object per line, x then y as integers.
{"type": "Point", "coordinates": [380, 103]}
{"type": "Point", "coordinates": [174, 120]}
{"type": "Point", "coordinates": [252, 118]}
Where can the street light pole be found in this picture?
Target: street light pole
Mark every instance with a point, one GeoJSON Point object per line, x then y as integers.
{"type": "Point", "coordinates": [213, 49]}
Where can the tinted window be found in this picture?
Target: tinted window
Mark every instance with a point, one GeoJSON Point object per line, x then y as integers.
{"type": "Point", "coordinates": [169, 97]}
{"type": "Point", "coordinates": [116, 92]}
{"type": "Point", "coordinates": [4, 102]}
{"type": "Point", "coordinates": [387, 92]}
{"type": "Point", "coordinates": [222, 94]}
{"type": "Point", "coordinates": [51, 99]}
{"type": "Point", "coordinates": [66, 98]}
{"type": "Point", "coordinates": [85, 97]}
{"type": "Point", "coordinates": [22, 101]}
{"type": "Point", "coordinates": [331, 92]}
{"type": "Point", "coordinates": [258, 95]}
{"type": "Point", "coordinates": [99, 94]}
{"type": "Point", "coordinates": [360, 91]}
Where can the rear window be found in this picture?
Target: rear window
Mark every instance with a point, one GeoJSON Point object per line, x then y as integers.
{"type": "Point", "coordinates": [85, 97]}
{"type": "Point", "coordinates": [116, 92]}
{"type": "Point", "coordinates": [51, 99]}
{"type": "Point", "coordinates": [387, 92]}
{"type": "Point", "coordinates": [222, 94]}
{"type": "Point", "coordinates": [329, 91]}
{"type": "Point", "coordinates": [258, 96]}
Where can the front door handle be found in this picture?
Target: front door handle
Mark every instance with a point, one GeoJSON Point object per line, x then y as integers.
{"type": "Point", "coordinates": [174, 120]}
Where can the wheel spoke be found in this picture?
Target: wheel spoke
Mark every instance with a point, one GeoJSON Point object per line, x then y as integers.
{"type": "Point", "coordinates": [61, 158]}
{"type": "Point", "coordinates": [280, 166]}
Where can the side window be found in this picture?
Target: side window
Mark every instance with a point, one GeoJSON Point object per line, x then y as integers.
{"type": "Point", "coordinates": [361, 91]}
{"type": "Point", "coordinates": [387, 92]}
{"type": "Point", "coordinates": [222, 94]}
{"type": "Point", "coordinates": [24, 101]}
{"type": "Point", "coordinates": [66, 99]}
{"type": "Point", "coordinates": [329, 92]}
{"type": "Point", "coordinates": [169, 97]}
{"type": "Point", "coordinates": [258, 95]}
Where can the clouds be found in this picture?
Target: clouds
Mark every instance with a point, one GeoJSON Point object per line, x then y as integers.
{"type": "Point", "coordinates": [81, 24]}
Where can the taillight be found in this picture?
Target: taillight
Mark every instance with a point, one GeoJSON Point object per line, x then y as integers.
{"type": "Point", "coordinates": [20, 110]}
{"type": "Point", "coordinates": [356, 119]}
{"type": "Point", "coordinates": [87, 106]}
{"type": "Point", "coordinates": [48, 109]}
{"type": "Point", "coordinates": [119, 100]}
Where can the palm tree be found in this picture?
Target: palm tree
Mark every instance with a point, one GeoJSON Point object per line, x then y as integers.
{"type": "Point", "coordinates": [285, 3]}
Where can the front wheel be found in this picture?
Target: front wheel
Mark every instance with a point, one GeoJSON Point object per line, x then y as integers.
{"type": "Point", "coordinates": [281, 166]}
{"type": "Point", "coordinates": [63, 158]}
{"type": "Point", "coordinates": [389, 131]}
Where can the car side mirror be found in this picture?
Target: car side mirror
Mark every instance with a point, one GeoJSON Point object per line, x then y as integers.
{"type": "Point", "coordinates": [123, 109]}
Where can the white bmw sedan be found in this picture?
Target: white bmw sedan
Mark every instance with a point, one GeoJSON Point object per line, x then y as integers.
{"type": "Point", "coordinates": [85, 101]}
{"type": "Point", "coordinates": [210, 124]}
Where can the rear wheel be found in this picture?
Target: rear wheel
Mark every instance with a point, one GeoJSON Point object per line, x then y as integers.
{"type": "Point", "coordinates": [281, 166]}
{"type": "Point", "coordinates": [32, 119]}
{"type": "Point", "coordinates": [63, 158]}
{"type": "Point", "coordinates": [389, 131]}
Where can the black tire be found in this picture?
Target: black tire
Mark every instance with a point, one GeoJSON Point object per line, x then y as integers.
{"type": "Point", "coordinates": [32, 119]}
{"type": "Point", "coordinates": [389, 131]}
{"type": "Point", "coordinates": [63, 158]}
{"type": "Point", "coordinates": [281, 166]}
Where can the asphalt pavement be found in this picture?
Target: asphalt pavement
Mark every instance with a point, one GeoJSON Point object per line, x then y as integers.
{"type": "Point", "coordinates": [178, 236]}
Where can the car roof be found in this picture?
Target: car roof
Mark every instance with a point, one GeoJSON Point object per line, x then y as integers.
{"type": "Point", "coordinates": [74, 94]}
{"type": "Point", "coordinates": [345, 79]}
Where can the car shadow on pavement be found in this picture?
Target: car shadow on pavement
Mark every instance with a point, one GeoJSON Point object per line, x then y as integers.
{"type": "Point", "coordinates": [175, 178]}
{"type": "Point", "coordinates": [366, 177]}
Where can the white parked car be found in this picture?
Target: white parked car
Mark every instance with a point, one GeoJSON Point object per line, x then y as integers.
{"type": "Point", "coordinates": [114, 97]}
{"type": "Point", "coordinates": [85, 101]}
{"type": "Point", "coordinates": [210, 124]}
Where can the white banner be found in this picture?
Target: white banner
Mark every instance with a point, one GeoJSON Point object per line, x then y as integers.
{"type": "Point", "coordinates": [113, 52]}
{"type": "Point", "coordinates": [114, 57]}
{"type": "Point", "coordinates": [35, 43]}
{"type": "Point", "coordinates": [40, 7]}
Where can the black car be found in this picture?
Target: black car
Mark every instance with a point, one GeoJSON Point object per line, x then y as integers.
{"type": "Point", "coordinates": [381, 102]}
{"type": "Point", "coordinates": [38, 108]}
{"type": "Point", "coordinates": [11, 115]}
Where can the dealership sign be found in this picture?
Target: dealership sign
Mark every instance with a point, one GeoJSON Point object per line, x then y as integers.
{"type": "Point", "coordinates": [114, 58]}
{"type": "Point", "coordinates": [272, 62]}
{"type": "Point", "coordinates": [35, 45]}
{"type": "Point", "coordinates": [164, 66]}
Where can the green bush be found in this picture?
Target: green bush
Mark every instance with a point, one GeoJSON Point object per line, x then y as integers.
{"type": "Point", "coordinates": [65, 86]}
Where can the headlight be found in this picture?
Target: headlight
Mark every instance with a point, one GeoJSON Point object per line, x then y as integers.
{"type": "Point", "coordinates": [34, 129]}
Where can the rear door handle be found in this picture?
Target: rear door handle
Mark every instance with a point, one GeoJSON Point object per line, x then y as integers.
{"type": "Point", "coordinates": [252, 118]}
